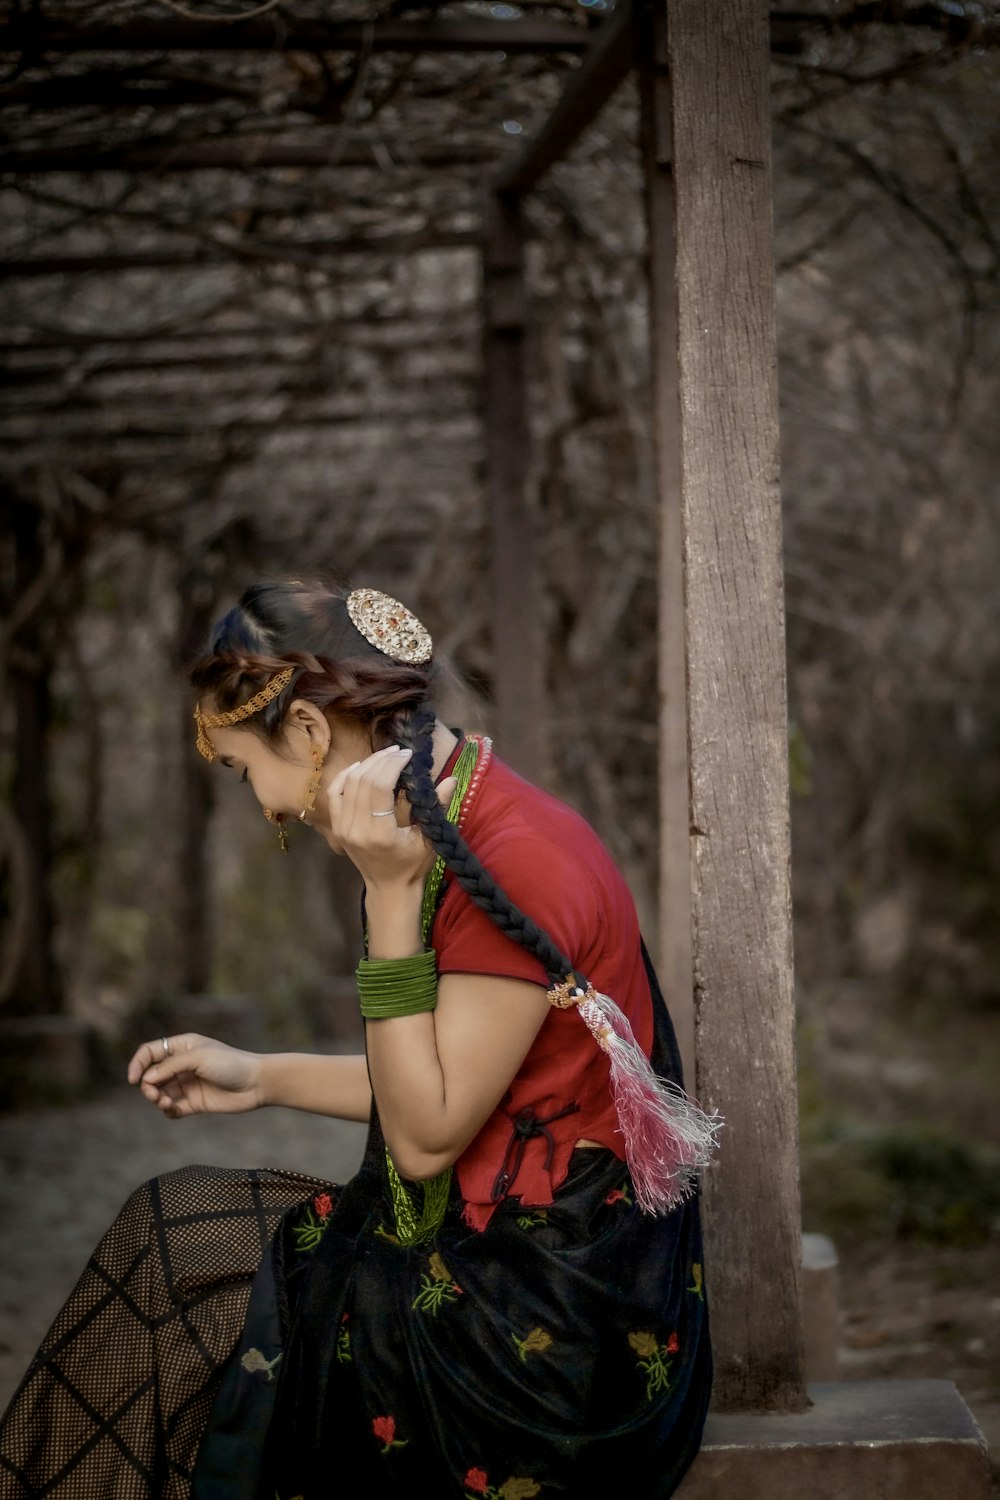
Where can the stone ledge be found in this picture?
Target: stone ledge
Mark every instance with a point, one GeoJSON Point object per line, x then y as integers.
{"type": "Point", "coordinates": [860, 1440]}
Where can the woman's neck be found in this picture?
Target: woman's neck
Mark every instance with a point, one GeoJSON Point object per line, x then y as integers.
{"type": "Point", "coordinates": [444, 741]}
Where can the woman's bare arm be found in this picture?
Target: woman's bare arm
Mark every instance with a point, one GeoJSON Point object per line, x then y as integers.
{"type": "Point", "coordinates": [322, 1085]}
{"type": "Point", "coordinates": [438, 1076]}
{"type": "Point", "coordinates": [203, 1076]}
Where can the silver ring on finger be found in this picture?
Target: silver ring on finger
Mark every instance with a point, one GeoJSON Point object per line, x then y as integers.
{"type": "Point", "coordinates": [165, 1045]}
{"type": "Point", "coordinates": [390, 812]}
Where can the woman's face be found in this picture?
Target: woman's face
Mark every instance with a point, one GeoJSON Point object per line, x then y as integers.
{"type": "Point", "coordinates": [280, 772]}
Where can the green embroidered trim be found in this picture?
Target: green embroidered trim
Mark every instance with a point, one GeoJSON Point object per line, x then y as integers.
{"type": "Point", "coordinates": [655, 1360]}
{"type": "Point", "coordinates": [411, 1227]}
{"type": "Point", "coordinates": [532, 1220]}
{"type": "Point", "coordinates": [344, 1356]}
{"type": "Point", "coordinates": [312, 1223]}
{"type": "Point", "coordinates": [390, 987]}
{"type": "Point", "coordinates": [436, 1287]}
{"type": "Point", "coordinates": [255, 1363]}
{"type": "Point", "coordinates": [536, 1342]}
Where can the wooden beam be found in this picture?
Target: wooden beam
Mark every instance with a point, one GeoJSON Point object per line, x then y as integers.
{"type": "Point", "coordinates": [256, 252]}
{"type": "Point", "coordinates": [519, 675]}
{"type": "Point", "coordinates": [212, 335]}
{"type": "Point", "coordinates": [286, 33]}
{"type": "Point", "coordinates": [255, 363]}
{"type": "Point", "coordinates": [248, 155]}
{"type": "Point", "coordinates": [607, 64]}
{"type": "Point", "coordinates": [302, 380]}
{"type": "Point", "coordinates": [737, 714]}
{"type": "Point", "coordinates": [86, 431]}
{"type": "Point", "coordinates": [791, 33]}
{"type": "Point", "coordinates": [674, 957]}
{"type": "Point", "coordinates": [124, 88]}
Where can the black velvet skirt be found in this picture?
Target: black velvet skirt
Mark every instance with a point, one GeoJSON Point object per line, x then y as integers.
{"type": "Point", "coordinates": [559, 1352]}
{"type": "Point", "coordinates": [263, 1335]}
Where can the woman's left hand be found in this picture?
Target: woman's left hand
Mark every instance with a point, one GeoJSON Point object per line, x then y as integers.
{"type": "Point", "coordinates": [196, 1075]}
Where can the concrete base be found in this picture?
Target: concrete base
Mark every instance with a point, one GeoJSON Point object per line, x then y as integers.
{"type": "Point", "coordinates": [860, 1440]}
{"type": "Point", "coordinates": [820, 1310]}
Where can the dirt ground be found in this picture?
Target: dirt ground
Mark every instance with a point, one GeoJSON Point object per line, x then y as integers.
{"type": "Point", "coordinates": [917, 1312]}
{"type": "Point", "coordinates": [905, 1311]}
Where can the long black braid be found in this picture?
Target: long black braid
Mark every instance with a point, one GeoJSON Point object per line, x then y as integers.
{"type": "Point", "coordinates": [416, 729]}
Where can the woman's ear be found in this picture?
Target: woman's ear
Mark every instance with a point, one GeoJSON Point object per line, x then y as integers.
{"type": "Point", "coordinates": [304, 717]}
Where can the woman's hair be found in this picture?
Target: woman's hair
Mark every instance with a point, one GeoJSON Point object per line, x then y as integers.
{"type": "Point", "coordinates": [307, 625]}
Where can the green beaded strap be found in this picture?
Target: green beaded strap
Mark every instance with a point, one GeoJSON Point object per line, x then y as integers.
{"type": "Point", "coordinates": [391, 987]}
{"type": "Point", "coordinates": [462, 772]}
{"type": "Point", "coordinates": [413, 1228]}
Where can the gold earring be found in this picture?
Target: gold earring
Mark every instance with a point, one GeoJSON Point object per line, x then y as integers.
{"type": "Point", "coordinates": [314, 781]}
{"type": "Point", "coordinates": [279, 821]}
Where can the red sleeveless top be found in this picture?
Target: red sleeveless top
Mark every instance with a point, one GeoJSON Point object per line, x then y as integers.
{"type": "Point", "coordinates": [552, 865]}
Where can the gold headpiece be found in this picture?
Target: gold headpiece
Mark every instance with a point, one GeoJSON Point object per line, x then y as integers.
{"type": "Point", "coordinates": [246, 710]}
{"type": "Point", "coordinates": [389, 626]}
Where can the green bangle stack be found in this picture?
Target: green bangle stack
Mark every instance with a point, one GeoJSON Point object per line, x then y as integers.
{"type": "Point", "coordinates": [389, 987]}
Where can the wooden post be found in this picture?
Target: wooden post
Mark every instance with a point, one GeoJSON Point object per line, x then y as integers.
{"type": "Point", "coordinates": [674, 925]}
{"type": "Point", "coordinates": [519, 685]}
{"type": "Point", "coordinates": [738, 748]}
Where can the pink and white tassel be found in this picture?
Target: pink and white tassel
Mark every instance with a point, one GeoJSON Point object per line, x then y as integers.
{"type": "Point", "coordinates": [668, 1137]}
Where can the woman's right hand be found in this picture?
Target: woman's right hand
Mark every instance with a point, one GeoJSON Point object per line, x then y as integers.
{"type": "Point", "coordinates": [197, 1076]}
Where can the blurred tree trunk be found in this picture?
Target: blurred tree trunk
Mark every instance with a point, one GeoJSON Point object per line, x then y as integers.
{"type": "Point", "coordinates": [519, 648]}
{"type": "Point", "coordinates": [197, 800]}
{"type": "Point", "coordinates": [37, 987]}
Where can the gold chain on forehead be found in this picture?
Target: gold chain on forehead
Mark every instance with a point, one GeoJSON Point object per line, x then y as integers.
{"type": "Point", "coordinates": [246, 710]}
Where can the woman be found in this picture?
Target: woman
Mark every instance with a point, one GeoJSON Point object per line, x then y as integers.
{"type": "Point", "coordinates": [507, 1300]}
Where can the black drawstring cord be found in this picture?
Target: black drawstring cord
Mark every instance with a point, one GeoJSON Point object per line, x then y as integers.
{"type": "Point", "coordinates": [524, 1126]}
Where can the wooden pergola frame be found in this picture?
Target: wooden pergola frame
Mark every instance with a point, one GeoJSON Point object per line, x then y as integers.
{"type": "Point", "coordinates": [725, 931]}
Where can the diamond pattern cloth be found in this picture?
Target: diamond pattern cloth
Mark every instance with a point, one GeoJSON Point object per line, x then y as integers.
{"type": "Point", "coordinates": [115, 1402]}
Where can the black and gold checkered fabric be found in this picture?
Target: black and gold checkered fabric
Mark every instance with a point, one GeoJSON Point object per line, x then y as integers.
{"type": "Point", "coordinates": [115, 1402]}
